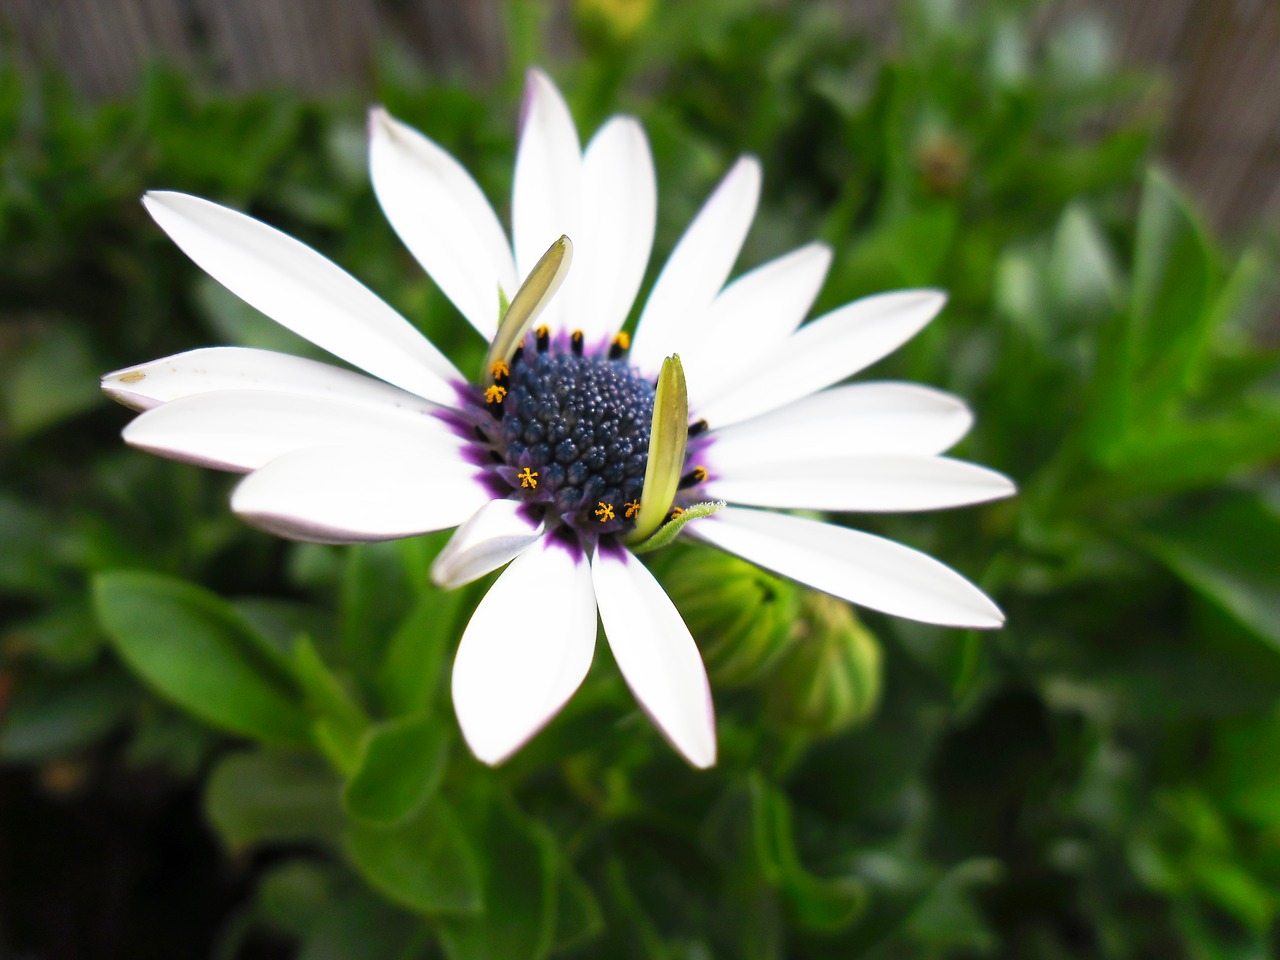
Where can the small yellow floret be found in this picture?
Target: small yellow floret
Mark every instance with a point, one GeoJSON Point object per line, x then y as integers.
{"type": "Point", "coordinates": [632, 509]}
{"type": "Point", "coordinates": [604, 511]}
{"type": "Point", "coordinates": [495, 394]}
{"type": "Point", "coordinates": [500, 369]}
{"type": "Point", "coordinates": [528, 478]}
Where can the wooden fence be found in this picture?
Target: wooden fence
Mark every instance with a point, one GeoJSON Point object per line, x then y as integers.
{"type": "Point", "coordinates": [1223, 55]}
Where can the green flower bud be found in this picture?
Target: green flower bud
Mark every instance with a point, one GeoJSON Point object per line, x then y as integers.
{"type": "Point", "coordinates": [830, 678]}
{"type": "Point", "coordinates": [741, 616]}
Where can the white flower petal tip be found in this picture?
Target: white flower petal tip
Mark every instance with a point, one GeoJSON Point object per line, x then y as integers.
{"type": "Point", "coordinates": [547, 187]}
{"type": "Point", "coordinates": [695, 272]}
{"type": "Point", "coordinates": [349, 494]}
{"type": "Point", "coordinates": [495, 534]}
{"type": "Point", "coordinates": [874, 484]}
{"type": "Point", "coordinates": [826, 351]}
{"type": "Point", "coordinates": [302, 290]}
{"type": "Point", "coordinates": [863, 569]}
{"type": "Point", "coordinates": [513, 673]}
{"type": "Point", "coordinates": [443, 218]}
{"type": "Point", "coordinates": [216, 369]}
{"type": "Point", "coordinates": [656, 654]}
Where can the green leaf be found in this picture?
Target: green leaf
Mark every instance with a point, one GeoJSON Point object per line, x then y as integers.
{"type": "Point", "coordinates": [409, 676]}
{"type": "Point", "coordinates": [51, 380]}
{"type": "Point", "coordinates": [1230, 553]}
{"type": "Point", "coordinates": [400, 769]}
{"type": "Point", "coordinates": [425, 863]}
{"type": "Point", "coordinates": [825, 905]}
{"type": "Point", "coordinates": [339, 724]}
{"type": "Point", "coordinates": [1183, 455]}
{"type": "Point", "coordinates": [257, 796]}
{"type": "Point", "coordinates": [578, 916]}
{"type": "Point", "coordinates": [1173, 276]}
{"type": "Point", "coordinates": [1082, 271]}
{"type": "Point", "coordinates": [192, 648]}
{"type": "Point", "coordinates": [51, 718]}
{"type": "Point", "coordinates": [519, 893]}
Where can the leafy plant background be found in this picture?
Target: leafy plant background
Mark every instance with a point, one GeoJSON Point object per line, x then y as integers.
{"type": "Point", "coordinates": [213, 743]}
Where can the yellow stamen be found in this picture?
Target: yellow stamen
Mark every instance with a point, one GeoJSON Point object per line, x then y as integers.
{"type": "Point", "coordinates": [622, 341]}
{"type": "Point", "coordinates": [542, 331]}
{"type": "Point", "coordinates": [528, 478]}
{"type": "Point", "coordinates": [500, 369]}
{"type": "Point", "coordinates": [699, 474]}
{"type": "Point", "coordinates": [604, 511]}
{"type": "Point", "coordinates": [632, 509]}
{"type": "Point", "coordinates": [577, 336]}
{"type": "Point", "coordinates": [495, 394]}
{"type": "Point", "coordinates": [675, 513]}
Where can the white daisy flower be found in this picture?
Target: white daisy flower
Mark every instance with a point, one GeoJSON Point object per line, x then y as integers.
{"type": "Point", "coordinates": [557, 458]}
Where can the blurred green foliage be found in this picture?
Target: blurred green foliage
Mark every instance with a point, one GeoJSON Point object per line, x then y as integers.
{"type": "Point", "coordinates": [1100, 779]}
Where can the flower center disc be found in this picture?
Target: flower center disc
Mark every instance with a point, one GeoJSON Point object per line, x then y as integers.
{"type": "Point", "coordinates": [571, 432]}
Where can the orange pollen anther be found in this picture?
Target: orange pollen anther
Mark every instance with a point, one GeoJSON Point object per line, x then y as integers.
{"type": "Point", "coordinates": [495, 394]}
{"type": "Point", "coordinates": [622, 341]}
{"type": "Point", "coordinates": [632, 509]}
{"type": "Point", "coordinates": [700, 474]}
{"type": "Point", "coordinates": [528, 478]}
{"type": "Point", "coordinates": [500, 369]}
{"type": "Point", "coordinates": [604, 511]}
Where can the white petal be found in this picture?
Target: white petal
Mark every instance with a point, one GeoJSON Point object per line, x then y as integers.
{"type": "Point", "coordinates": [301, 290]}
{"type": "Point", "coordinates": [211, 369]}
{"type": "Point", "coordinates": [832, 347]}
{"type": "Point", "coordinates": [347, 494]}
{"type": "Point", "coordinates": [243, 430]}
{"type": "Point", "coordinates": [863, 569]}
{"type": "Point", "coordinates": [881, 484]}
{"type": "Point", "coordinates": [751, 316]}
{"type": "Point", "coordinates": [656, 654]}
{"type": "Point", "coordinates": [615, 231]}
{"type": "Point", "coordinates": [526, 650]}
{"type": "Point", "coordinates": [545, 194]}
{"type": "Point", "coordinates": [853, 420]}
{"type": "Point", "coordinates": [443, 218]}
{"type": "Point", "coordinates": [697, 268]}
{"type": "Point", "coordinates": [495, 534]}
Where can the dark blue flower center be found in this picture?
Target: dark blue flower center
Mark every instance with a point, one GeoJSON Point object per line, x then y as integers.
{"type": "Point", "coordinates": [572, 434]}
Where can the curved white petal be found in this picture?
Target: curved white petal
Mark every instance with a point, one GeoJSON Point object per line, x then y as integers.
{"type": "Point", "coordinates": [242, 430]}
{"type": "Point", "coordinates": [526, 650]}
{"type": "Point", "coordinates": [863, 569]}
{"type": "Point", "coordinates": [697, 268]}
{"type": "Point", "coordinates": [854, 420]}
{"type": "Point", "coordinates": [879, 484]}
{"type": "Point", "coordinates": [495, 534]}
{"type": "Point", "coordinates": [832, 347]}
{"type": "Point", "coordinates": [656, 654]}
{"type": "Point", "coordinates": [615, 230]}
{"type": "Point", "coordinates": [442, 216]}
{"type": "Point", "coordinates": [301, 290]}
{"type": "Point", "coordinates": [548, 181]}
{"type": "Point", "coordinates": [751, 316]}
{"type": "Point", "coordinates": [211, 369]}
{"type": "Point", "coordinates": [347, 494]}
